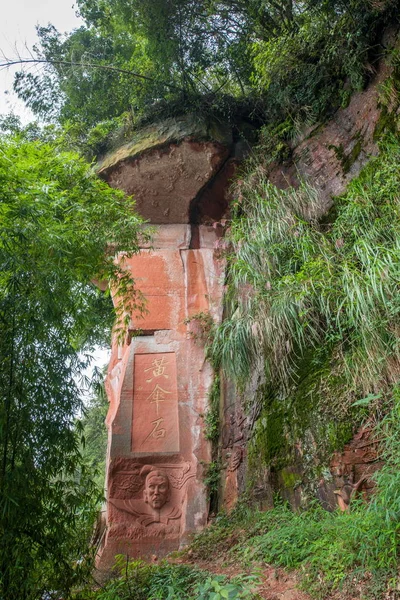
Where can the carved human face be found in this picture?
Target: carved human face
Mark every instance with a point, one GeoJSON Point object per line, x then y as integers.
{"type": "Point", "coordinates": [156, 492]}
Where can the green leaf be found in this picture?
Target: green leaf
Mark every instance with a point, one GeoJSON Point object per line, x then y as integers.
{"type": "Point", "coordinates": [367, 400]}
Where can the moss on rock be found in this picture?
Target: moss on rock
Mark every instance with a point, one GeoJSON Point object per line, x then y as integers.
{"type": "Point", "coordinates": [158, 135]}
{"type": "Point", "coordinates": [297, 434]}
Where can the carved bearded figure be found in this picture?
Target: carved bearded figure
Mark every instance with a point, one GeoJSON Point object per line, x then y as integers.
{"type": "Point", "coordinates": [154, 513]}
{"type": "Point", "coordinates": [156, 490]}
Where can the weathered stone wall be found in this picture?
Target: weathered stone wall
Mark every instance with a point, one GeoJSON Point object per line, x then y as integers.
{"type": "Point", "coordinates": [158, 379]}
{"type": "Point", "coordinates": [332, 154]}
{"type": "Point", "coordinates": [158, 383]}
{"type": "Point", "coordinates": [261, 456]}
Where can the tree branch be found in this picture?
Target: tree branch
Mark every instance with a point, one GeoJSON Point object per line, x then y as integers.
{"type": "Point", "coordinates": [23, 61]}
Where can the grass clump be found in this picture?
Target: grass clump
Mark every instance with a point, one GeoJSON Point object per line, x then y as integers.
{"type": "Point", "coordinates": [294, 285]}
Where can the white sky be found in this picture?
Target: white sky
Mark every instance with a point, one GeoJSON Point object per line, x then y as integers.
{"type": "Point", "coordinates": [17, 31]}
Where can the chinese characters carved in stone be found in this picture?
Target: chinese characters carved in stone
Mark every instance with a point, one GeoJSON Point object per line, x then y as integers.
{"type": "Point", "coordinates": [155, 404]}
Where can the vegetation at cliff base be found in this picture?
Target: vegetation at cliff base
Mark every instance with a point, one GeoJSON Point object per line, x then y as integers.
{"type": "Point", "coordinates": [138, 580]}
{"type": "Point", "coordinates": [321, 292]}
{"type": "Point", "coordinates": [334, 552]}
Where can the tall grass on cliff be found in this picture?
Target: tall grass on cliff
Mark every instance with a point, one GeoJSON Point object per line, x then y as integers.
{"type": "Point", "coordinates": [296, 284]}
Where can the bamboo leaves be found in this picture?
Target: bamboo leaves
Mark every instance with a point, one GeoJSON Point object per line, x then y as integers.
{"type": "Point", "coordinates": [292, 285]}
{"type": "Point", "coordinates": [60, 228]}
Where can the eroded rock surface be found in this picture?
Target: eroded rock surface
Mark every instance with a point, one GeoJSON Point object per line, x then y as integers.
{"type": "Point", "coordinates": [333, 154]}
{"type": "Point", "coordinates": [168, 166]}
{"type": "Point", "coordinates": [158, 379]}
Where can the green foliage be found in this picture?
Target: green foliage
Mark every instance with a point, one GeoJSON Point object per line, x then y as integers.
{"type": "Point", "coordinates": [316, 305]}
{"type": "Point", "coordinates": [138, 580]}
{"type": "Point", "coordinates": [95, 141]}
{"type": "Point", "coordinates": [271, 61]}
{"type": "Point", "coordinates": [71, 89]}
{"type": "Point", "coordinates": [95, 434]}
{"type": "Point", "coordinates": [331, 550]}
{"type": "Point", "coordinates": [212, 420]}
{"type": "Point", "coordinates": [296, 285]}
{"type": "Point", "coordinates": [212, 477]}
{"type": "Point", "coordinates": [60, 228]}
{"type": "Point", "coordinates": [313, 307]}
{"type": "Point", "coordinates": [226, 531]}
{"type": "Point", "coordinates": [302, 416]}
{"type": "Point", "coordinates": [269, 444]}
{"type": "Point", "coordinates": [308, 74]}
{"type": "Point", "coordinates": [335, 545]}
{"type": "Point", "coordinates": [218, 588]}
{"type": "Point", "coordinates": [201, 326]}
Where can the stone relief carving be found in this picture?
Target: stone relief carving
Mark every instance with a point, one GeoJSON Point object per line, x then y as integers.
{"type": "Point", "coordinates": [156, 495]}
{"type": "Point", "coordinates": [156, 489]}
{"type": "Point", "coordinates": [181, 475]}
{"type": "Point", "coordinates": [125, 484]}
{"type": "Point", "coordinates": [234, 431]}
{"type": "Point", "coordinates": [352, 469]}
{"type": "Point", "coordinates": [146, 499]}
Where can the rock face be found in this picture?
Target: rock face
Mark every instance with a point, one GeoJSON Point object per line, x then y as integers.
{"type": "Point", "coordinates": [329, 156]}
{"type": "Point", "coordinates": [168, 166]}
{"type": "Point", "coordinates": [158, 381]}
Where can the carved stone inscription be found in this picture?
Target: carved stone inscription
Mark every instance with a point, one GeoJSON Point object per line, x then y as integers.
{"type": "Point", "coordinates": [155, 426]}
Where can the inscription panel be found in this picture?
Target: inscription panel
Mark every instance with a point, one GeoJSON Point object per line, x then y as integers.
{"type": "Point", "coordinates": [155, 426]}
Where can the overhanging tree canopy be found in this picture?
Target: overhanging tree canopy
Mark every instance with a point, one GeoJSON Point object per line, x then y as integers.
{"type": "Point", "coordinates": [295, 59]}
